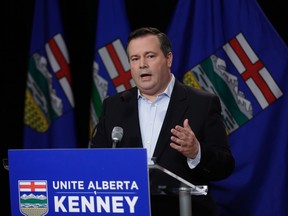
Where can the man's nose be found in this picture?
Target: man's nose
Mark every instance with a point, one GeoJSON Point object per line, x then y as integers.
{"type": "Point", "coordinates": [143, 63]}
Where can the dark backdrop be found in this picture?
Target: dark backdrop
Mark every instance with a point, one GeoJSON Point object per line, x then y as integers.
{"type": "Point", "coordinates": [79, 26]}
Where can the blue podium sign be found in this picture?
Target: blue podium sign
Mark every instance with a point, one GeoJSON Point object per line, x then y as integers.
{"type": "Point", "coordinates": [79, 181]}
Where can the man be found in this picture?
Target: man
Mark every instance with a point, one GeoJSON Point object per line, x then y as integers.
{"type": "Point", "coordinates": [181, 127]}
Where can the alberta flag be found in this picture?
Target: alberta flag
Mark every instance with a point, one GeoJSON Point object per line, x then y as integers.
{"type": "Point", "coordinates": [111, 69]}
{"type": "Point", "coordinates": [49, 103]}
{"type": "Point", "coordinates": [231, 49]}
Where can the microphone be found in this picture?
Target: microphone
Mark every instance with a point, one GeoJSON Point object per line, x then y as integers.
{"type": "Point", "coordinates": [117, 134]}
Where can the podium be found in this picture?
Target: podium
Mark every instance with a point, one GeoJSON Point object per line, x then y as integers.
{"type": "Point", "coordinates": [79, 181]}
{"type": "Point", "coordinates": [91, 181]}
{"type": "Point", "coordinates": [170, 183]}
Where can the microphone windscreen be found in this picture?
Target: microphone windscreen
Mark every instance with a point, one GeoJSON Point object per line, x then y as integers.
{"type": "Point", "coordinates": [117, 133]}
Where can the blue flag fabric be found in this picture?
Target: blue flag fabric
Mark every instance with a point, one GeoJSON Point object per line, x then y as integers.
{"type": "Point", "coordinates": [111, 69]}
{"type": "Point", "coordinates": [230, 48]}
{"type": "Point", "coordinates": [49, 103]}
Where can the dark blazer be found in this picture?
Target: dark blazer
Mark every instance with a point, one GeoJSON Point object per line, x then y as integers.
{"type": "Point", "coordinates": [203, 110]}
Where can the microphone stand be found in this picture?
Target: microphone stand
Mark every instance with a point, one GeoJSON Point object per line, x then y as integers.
{"type": "Point", "coordinates": [115, 142]}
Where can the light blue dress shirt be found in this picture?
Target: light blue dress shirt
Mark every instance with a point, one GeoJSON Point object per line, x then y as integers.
{"type": "Point", "coordinates": [151, 117]}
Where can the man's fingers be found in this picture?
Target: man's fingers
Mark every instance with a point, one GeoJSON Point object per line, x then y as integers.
{"type": "Point", "coordinates": [176, 132]}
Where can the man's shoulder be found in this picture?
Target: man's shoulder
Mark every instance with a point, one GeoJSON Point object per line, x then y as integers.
{"type": "Point", "coordinates": [125, 95]}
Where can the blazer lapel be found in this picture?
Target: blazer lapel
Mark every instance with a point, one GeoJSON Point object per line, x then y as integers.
{"type": "Point", "coordinates": [131, 119]}
{"type": "Point", "coordinates": [174, 115]}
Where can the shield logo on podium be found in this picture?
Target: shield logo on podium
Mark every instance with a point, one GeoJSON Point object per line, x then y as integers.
{"type": "Point", "coordinates": [33, 197]}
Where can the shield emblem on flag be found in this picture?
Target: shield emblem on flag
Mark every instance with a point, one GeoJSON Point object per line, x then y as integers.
{"type": "Point", "coordinates": [33, 197]}
{"type": "Point", "coordinates": [214, 74]}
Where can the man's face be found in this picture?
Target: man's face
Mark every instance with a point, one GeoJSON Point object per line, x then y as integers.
{"type": "Point", "coordinates": [150, 69]}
